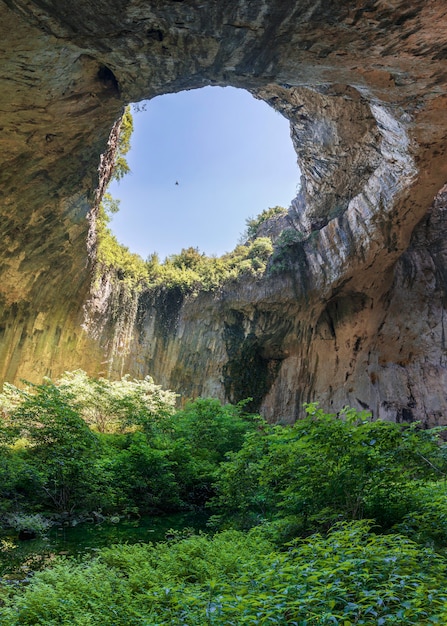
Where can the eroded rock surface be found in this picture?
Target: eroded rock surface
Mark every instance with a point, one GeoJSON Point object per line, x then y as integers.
{"type": "Point", "coordinates": [357, 314]}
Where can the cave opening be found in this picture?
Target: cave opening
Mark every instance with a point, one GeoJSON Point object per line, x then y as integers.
{"type": "Point", "coordinates": [202, 162]}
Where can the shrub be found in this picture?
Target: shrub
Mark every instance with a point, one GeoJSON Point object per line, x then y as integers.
{"type": "Point", "coordinates": [110, 406]}
{"type": "Point", "coordinates": [83, 443]}
{"type": "Point", "coordinates": [143, 478]}
{"type": "Point", "coordinates": [36, 523]}
{"type": "Point", "coordinates": [350, 577]}
{"type": "Point", "coordinates": [261, 248]}
{"type": "Point", "coordinates": [253, 223]}
{"type": "Point", "coordinates": [62, 447]}
{"type": "Point", "coordinates": [282, 255]}
{"type": "Point", "coordinates": [328, 468]}
{"type": "Point", "coordinates": [426, 523]}
{"type": "Point", "coordinates": [203, 433]}
{"type": "Point", "coordinates": [20, 483]}
{"type": "Point", "coordinates": [113, 257]}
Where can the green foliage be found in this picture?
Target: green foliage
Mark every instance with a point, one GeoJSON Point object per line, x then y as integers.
{"type": "Point", "coordinates": [17, 480]}
{"type": "Point", "coordinates": [204, 432]}
{"type": "Point", "coordinates": [109, 406]}
{"type": "Point", "coordinates": [35, 523]}
{"type": "Point", "coordinates": [143, 477]}
{"type": "Point", "coordinates": [113, 256]}
{"type": "Point", "coordinates": [326, 473]}
{"type": "Point", "coordinates": [329, 468]}
{"type": "Point", "coordinates": [350, 577]}
{"type": "Point", "coordinates": [121, 166]}
{"type": "Point", "coordinates": [289, 237]}
{"type": "Point", "coordinates": [282, 255]}
{"type": "Point", "coordinates": [62, 465]}
{"type": "Point", "coordinates": [61, 448]}
{"type": "Point", "coordinates": [261, 248]}
{"type": "Point", "coordinates": [427, 523]}
{"type": "Point", "coordinates": [192, 271]}
{"type": "Point", "coordinates": [253, 223]}
{"type": "Point", "coordinates": [212, 429]}
{"type": "Point", "coordinates": [84, 443]}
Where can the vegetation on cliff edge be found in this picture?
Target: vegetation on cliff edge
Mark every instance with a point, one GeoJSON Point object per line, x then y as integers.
{"type": "Point", "coordinates": [190, 270]}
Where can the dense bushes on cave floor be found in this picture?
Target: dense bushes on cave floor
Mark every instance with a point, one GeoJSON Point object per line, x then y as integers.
{"type": "Point", "coordinates": [84, 444]}
{"type": "Point", "coordinates": [337, 519]}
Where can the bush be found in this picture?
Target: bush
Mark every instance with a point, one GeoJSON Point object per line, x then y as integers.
{"type": "Point", "coordinates": [329, 468]}
{"type": "Point", "coordinates": [203, 433]}
{"type": "Point", "coordinates": [253, 223]}
{"type": "Point", "coordinates": [261, 248]}
{"type": "Point", "coordinates": [62, 447]}
{"type": "Point", "coordinates": [191, 271]}
{"type": "Point", "coordinates": [350, 577]}
{"type": "Point", "coordinates": [110, 406]}
{"type": "Point", "coordinates": [84, 444]}
{"type": "Point", "coordinates": [282, 255]}
{"type": "Point", "coordinates": [20, 483]}
{"type": "Point", "coordinates": [426, 523]}
{"type": "Point", "coordinates": [36, 524]}
{"type": "Point", "coordinates": [326, 473]}
{"type": "Point", "coordinates": [113, 257]}
{"type": "Point", "coordinates": [143, 478]}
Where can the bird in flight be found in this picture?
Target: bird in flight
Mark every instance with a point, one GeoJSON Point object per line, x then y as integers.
{"type": "Point", "coordinates": [176, 182]}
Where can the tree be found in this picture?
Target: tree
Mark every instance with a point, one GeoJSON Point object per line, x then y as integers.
{"type": "Point", "coordinates": [61, 446]}
{"type": "Point", "coordinates": [111, 406]}
{"type": "Point", "coordinates": [204, 432]}
{"type": "Point", "coordinates": [326, 468]}
{"type": "Point", "coordinates": [121, 166]}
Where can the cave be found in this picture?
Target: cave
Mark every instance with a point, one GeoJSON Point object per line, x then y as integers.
{"type": "Point", "coordinates": [357, 316]}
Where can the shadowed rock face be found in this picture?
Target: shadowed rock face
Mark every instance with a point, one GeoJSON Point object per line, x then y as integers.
{"type": "Point", "coordinates": [357, 314]}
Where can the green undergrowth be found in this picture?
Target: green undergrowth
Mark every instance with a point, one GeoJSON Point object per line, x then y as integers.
{"type": "Point", "coordinates": [351, 576]}
{"type": "Point", "coordinates": [337, 519]}
{"type": "Point", "coordinates": [82, 444]}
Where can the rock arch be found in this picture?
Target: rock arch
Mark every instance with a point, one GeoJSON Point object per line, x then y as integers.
{"type": "Point", "coordinates": [359, 319]}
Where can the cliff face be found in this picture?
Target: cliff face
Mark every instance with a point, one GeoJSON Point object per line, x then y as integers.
{"type": "Point", "coordinates": [355, 316]}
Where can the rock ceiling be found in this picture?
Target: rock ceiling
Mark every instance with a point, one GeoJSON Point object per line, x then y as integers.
{"type": "Point", "coordinates": [360, 320]}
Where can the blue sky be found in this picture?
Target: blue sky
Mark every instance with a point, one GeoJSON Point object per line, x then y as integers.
{"type": "Point", "coordinates": [232, 157]}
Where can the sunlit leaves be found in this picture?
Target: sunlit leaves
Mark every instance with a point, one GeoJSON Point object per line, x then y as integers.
{"type": "Point", "coordinates": [327, 468]}
{"type": "Point", "coordinates": [114, 405]}
{"type": "Point", "coordinates": [352, 576]}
